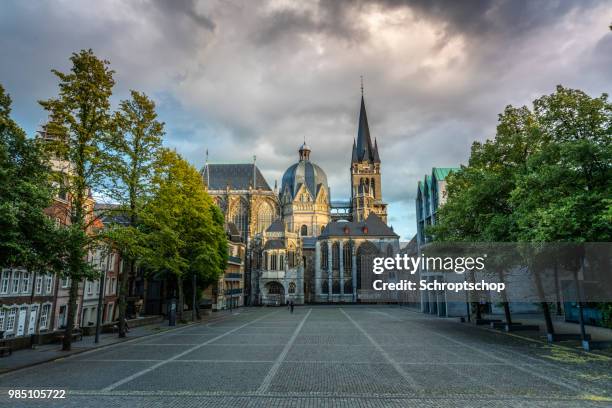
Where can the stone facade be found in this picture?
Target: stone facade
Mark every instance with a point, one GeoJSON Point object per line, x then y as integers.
{"type": "Point", "coordinates": [291, 234]}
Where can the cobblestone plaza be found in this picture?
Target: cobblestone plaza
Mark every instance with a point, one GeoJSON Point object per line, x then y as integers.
{"type": "Point", "coordinates": [355, 356]}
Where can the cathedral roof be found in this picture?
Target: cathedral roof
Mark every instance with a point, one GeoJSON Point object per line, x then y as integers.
{"type": "Point", "coordinates": [274, 244]}
{"type": "Point", "coordinates": [373, 226]}
{"type": "Point", "coordinates": [364, 151]}
{"type": "Point", "coordinates": [236, 176]}
{"type": "Point", "coordinates": [277, 226]}
{"type": "Point", "coordinates": [304, 173]}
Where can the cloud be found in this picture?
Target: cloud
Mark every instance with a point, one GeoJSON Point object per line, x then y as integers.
{"type": "Point", "coordinates": [256, 78]}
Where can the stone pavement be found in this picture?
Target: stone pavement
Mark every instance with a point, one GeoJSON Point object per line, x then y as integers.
{"type": "Point", "coordinates": [48, 352]}
{"type": "Point", "coordinates": [322, 356]}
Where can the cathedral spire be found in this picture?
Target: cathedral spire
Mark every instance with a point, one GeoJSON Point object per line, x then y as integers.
{"type": "Point", "coordinates": [364, 142]}
{"type": "Point", "coordinates": [376, 157]}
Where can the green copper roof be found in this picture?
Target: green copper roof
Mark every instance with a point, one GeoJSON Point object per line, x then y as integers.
{"type": "Point", "coordinates": [440, 173]}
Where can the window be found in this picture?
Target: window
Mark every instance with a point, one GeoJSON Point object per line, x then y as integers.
{"type": "Point", "coordinates": [335, 256]}
{"type": "Point", "coordinates": [239, 217]}
{"type": "Point", "coordinates": [4, 285]}
{"type": "Point", "coordinates": [2, 317]}
{"type": "Point", "coordinates": [281, 264]}
{"type": "Point", "coordinates": [48, 283]}
{"type": "Point", "coordinates": [109, 312]}
{"type": "Point", "coordinates": [16, 277]}
{"type": "Point", "coordinates": [89, 287]}
{"type": "Point", "coordinates": [348, 258]}
{"type": "Point", "coordinates": [273, 261]}
{"type": "Point", "coordinates": [44, 316]}
{"type": "Point", "coordinates": [291, 258]}
{"type": "Point", "coordinates": [304, 230]}
{"type": "Point", "coordinates": [324, 256]}
{"type": "Point", "coordinates": [65, 282]}
{"type": "Point", "coordinates": [25, 282]}
{"type": "Point", "coordinates": [38, 285]}
{"type": "Point", "coordinates": [10, 321]}
{"type": "Point", "coordinates": [291, 287]}
{"type": "Point", "coordinates": [264, 217]}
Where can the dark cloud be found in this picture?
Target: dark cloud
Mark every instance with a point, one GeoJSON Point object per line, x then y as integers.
{"type": "Point", "coordinates": [257, 77]}
{"type": "Point", "coordinates": [186, 8]}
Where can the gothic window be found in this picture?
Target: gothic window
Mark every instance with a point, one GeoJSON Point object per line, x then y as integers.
{"type": "Point", "coordinates": [291, 257]}
{"type": "Point", "coordinates": [273, 261]}
{"type": "Point", "coordinates": [348, 286]}
{"type": "Point", "coordinates": [348, 257]}
{"type": "Point", "coordinates": [291, 287]}
{"type": "Point", "coordinates": [365, 256]}
{"type": "Point", "coordinates": [240, 217]}
{"type": "Point", "coordinates": [373, 187]}
{"type": "Point", "coordinates": [324, 256]}
{"type": "Point", "coordinates": [324, 287]}
{"type": "Point", "coordinates": [335, 256]}
{"type": "Point", "coordinates": [275, 288]}
{"type": "Point", "coordinates": [304, 230]}
{"type": "Point", "coordinates": [281, 264]}
{"type": "Point", "coordinates": [336, 287]}
{"type": "Point", "coordinates": [265, 216]}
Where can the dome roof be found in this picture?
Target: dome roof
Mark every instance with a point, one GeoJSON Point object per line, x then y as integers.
{"type": "Point", "coordinates": [304, 172]}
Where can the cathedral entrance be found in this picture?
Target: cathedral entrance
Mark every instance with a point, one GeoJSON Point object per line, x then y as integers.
{"type": "Point", "coordinates": [275, 294]}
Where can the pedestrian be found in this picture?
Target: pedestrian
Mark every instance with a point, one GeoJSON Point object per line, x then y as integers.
{"type": "Point", "coordinates": [291, 306]}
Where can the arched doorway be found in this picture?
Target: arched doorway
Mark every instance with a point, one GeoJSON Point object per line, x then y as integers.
{"type": "Point", "coordinates": [275, 294]}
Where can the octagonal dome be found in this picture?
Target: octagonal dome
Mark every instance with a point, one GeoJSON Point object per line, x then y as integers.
{"type": "Point", "coordinates": [304, 172]}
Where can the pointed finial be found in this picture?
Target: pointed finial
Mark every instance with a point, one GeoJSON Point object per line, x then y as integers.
{"type": "Point", "coordinates": [361, 76]}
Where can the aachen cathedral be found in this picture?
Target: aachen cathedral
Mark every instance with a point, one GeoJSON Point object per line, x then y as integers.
{"type": "Point", "coordinates": [302, 246]}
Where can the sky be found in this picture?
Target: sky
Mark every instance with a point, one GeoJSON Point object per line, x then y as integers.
{"type": "Point", "coordinates": [245, 78]}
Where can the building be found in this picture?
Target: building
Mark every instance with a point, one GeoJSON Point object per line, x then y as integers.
{"type": "Point", "coordinates": [280, 265]}
{"type": "Point", "coordinates": [228, 291]}
{"type": "Point", "coordinates": [431, 194]}
{"type": "Point", "coordinates": [343, 258]}
{"type": "Point", "coordinates": [366, 186]}
{"type": "Point", "coordinates": [247, 202]}
{"type": "Point", "coordinates": [304, 196]}
{"type": "Point", "coordinates": [285, 231]}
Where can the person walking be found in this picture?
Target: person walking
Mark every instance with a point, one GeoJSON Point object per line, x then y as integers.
{"type": "Point", "coordinates": [291, 306]}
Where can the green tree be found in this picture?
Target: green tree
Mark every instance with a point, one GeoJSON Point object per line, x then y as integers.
{"type": "Point", "coordinates": [182, 229]}
{"type": "Point", "coordinates": [544, 178]}
{"type": "Point", "coordinates": [133, 147]}
{"type": "Point", "coordinates": [28, 237]}
{"type": "Point", "coordinates": [80, 122]}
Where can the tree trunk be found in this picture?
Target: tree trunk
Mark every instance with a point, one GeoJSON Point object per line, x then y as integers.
{"type": "Point", "coordinates": [145, 294]}
{"type": "Point", "coordinates": [550, 329]}
{"type": "Point", "coordinates": [181, 299]}
{"type": "Point", "coordinates": [123, 297]}
{"type": "Point", "coordinates": [72, 311]}
{"type": "Point", "coordinates": [505, 300]}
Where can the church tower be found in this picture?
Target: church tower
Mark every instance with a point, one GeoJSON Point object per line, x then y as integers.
{"type": "Point", "coordinates": [366, 188]}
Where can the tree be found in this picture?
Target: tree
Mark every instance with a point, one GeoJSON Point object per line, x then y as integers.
{"type": "Point", "coordinates": [182, 229]}
{"type": "Point", "coordinates": [80, 121]}
{"type": "Point", "coordinates": [545, 177]}
{"type": "Point", "coordinates": [133, 147]}
{"type": "Point", "coordinates": [28, 237]}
